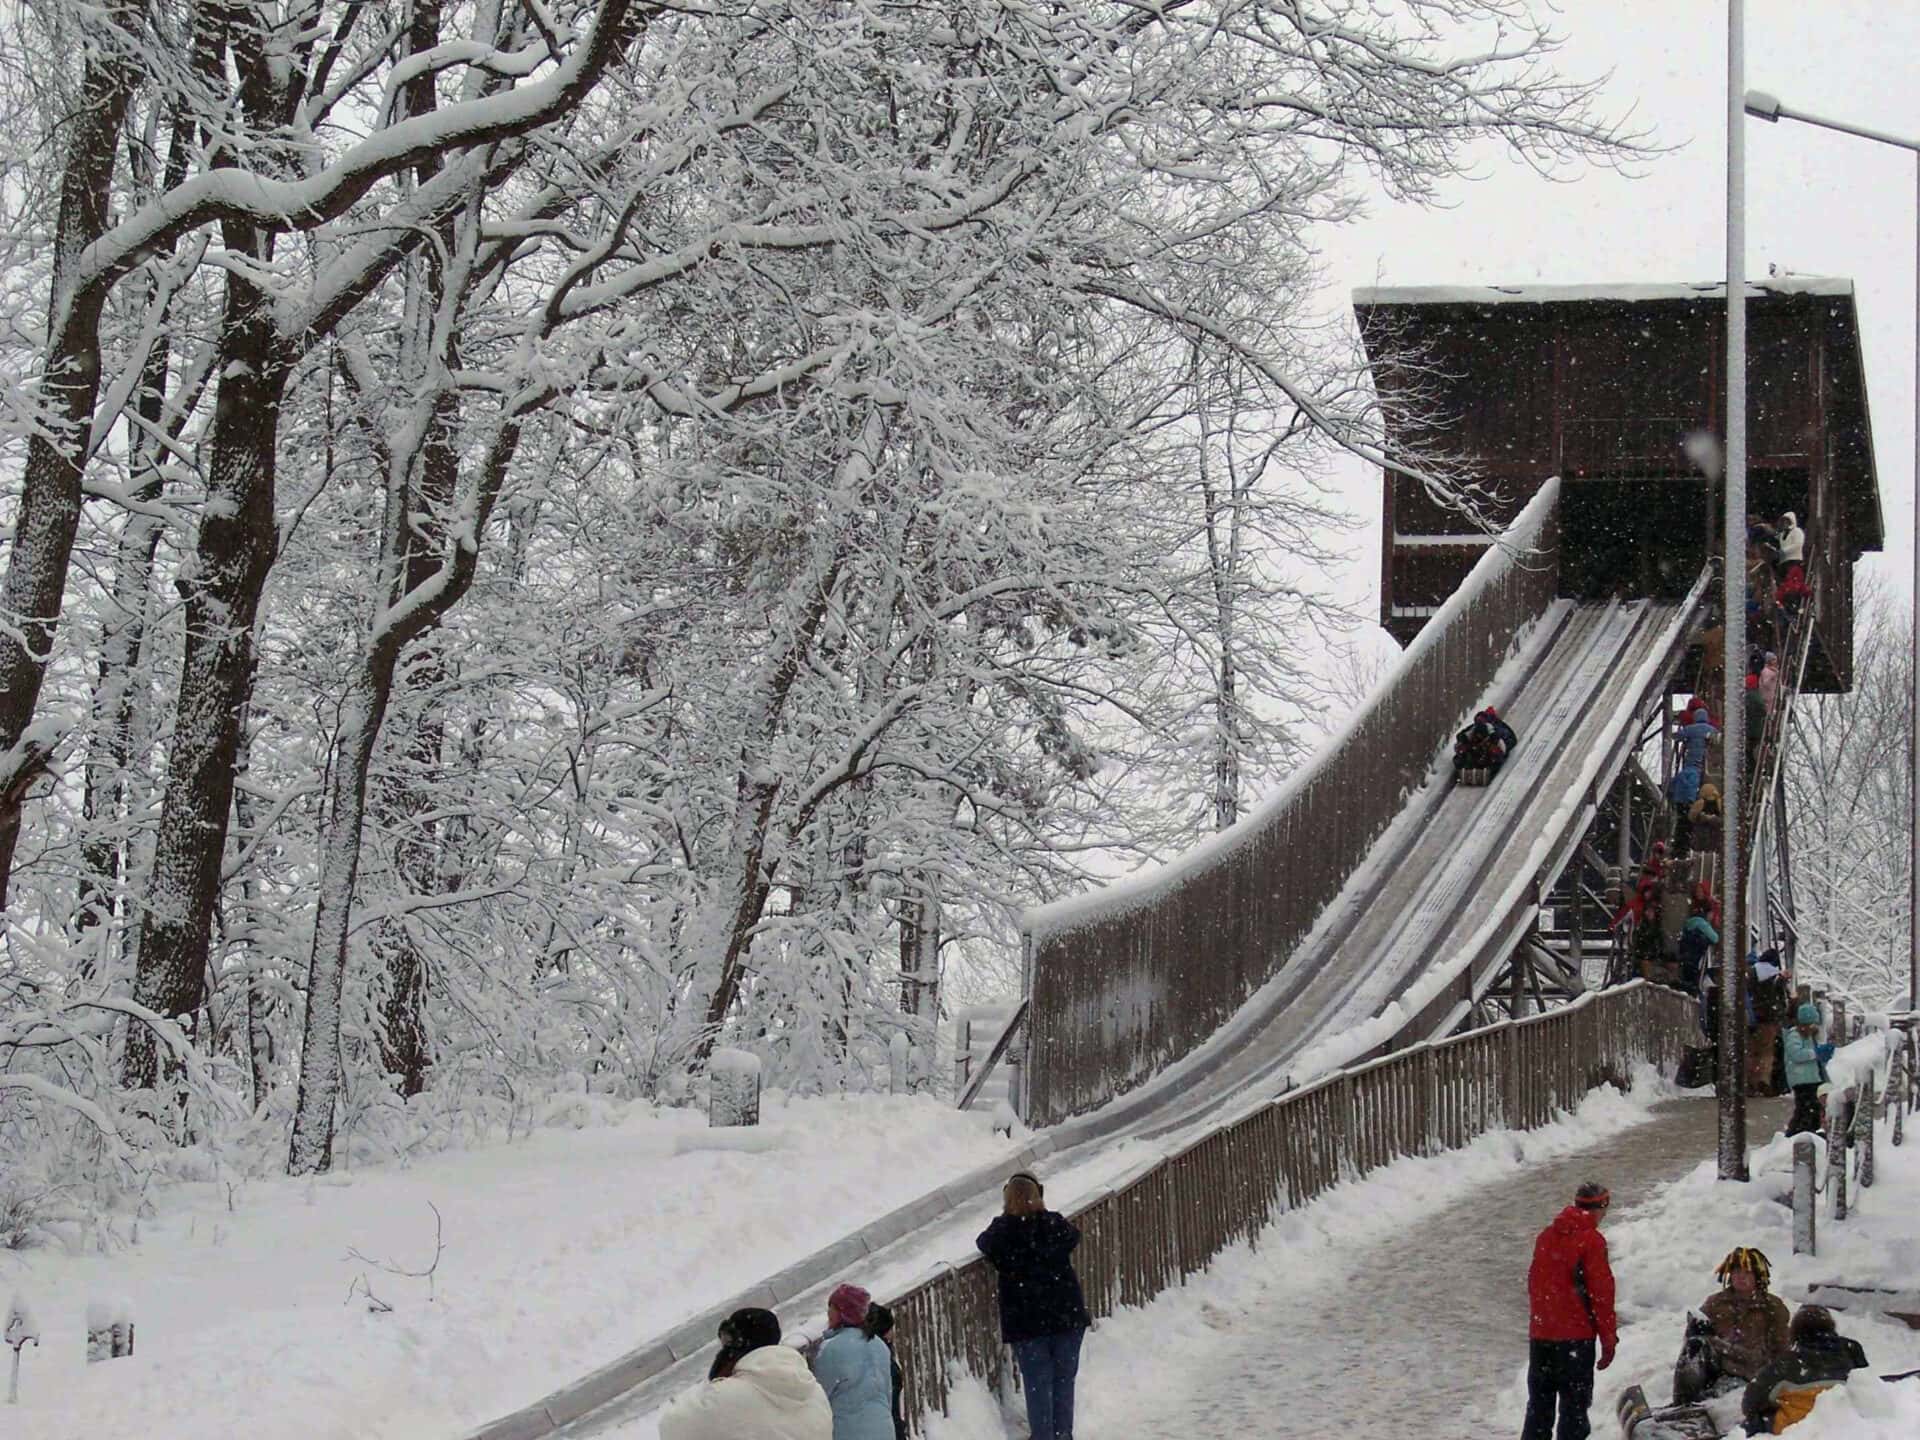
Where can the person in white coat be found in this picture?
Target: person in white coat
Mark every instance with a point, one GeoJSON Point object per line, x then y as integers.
{"type": "Point", "coordinates": [1793, 543]}
{"type": "Point", "coordinates": [855, 1368]}
{"type": "Point", "coordinates": [758, 1389]}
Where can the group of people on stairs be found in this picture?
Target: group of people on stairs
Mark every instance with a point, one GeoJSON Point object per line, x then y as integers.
{"type": "Point", "coordinates": [761, 1389]}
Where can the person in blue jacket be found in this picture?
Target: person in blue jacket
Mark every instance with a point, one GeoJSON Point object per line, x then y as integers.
{"type": "Point", "coordinates": [1694, 736]}
{"type": "Point", "coordinates": [1697, 939]}
{"type": "Point", "coordinates": [1043, 1314]}
{"type": "Point", "coordinates": [1803, 1070]}
{"type": "Point", "coordinates": [855, 1368]}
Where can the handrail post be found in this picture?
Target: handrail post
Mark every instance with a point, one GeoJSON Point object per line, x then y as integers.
{"type": "Point", "coordinates": [1897, 1091]}
{"type": "Point", "coordinates": [1347, 1154]}
{"type": "Point", "coordinates": [1430, 1137]}
{"type": "Point", "coordinates": [1836, 1154]}
{"type": "Point", "coordinates": [1510, 1078]}
{"type": "Point", "coordinates": [1863, 1129]}
{"type": "Point", "coordinates": [1803, 1196]}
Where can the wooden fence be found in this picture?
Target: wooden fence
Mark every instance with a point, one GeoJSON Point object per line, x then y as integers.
{"type": "Point", "coordinates": [1170, 1222]}
{"type": "Point", "coordinates": [1125, 982]}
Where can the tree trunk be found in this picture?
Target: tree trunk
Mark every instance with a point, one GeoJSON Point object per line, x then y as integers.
{"type": "Point", "coordinates": [363, 712]}
{"type": "Point", "coordinates": [49, 513]}
{"type": "Point", "coordinates": [103, 855]}
{"type": "Point", "coordinates": [221, 588]}
{"type": "Point", "coordinates": [748, 880]}
{"type": "Point", "coordinates": [920, 954]}
{"type": "Point", "coordinates": [311, 1149]}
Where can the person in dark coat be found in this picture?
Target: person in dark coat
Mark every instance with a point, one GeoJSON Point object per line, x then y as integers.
{"type": "Point", "coordinates": [1570, 1302]}
{"type": "Point", "coordinates": [1821, 1357]}
{"type": "Point", "coordinates": [1502, 731]}
{"type": "Point", "coordinates": [879, 1325]}
{"type": "Point", "coordinates": [1697, 939]}
{"type": "Point", "coordinates": [1043, 1314]}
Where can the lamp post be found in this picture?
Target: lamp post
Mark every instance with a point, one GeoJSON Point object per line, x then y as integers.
{"type": "Point", "coordinates": [1730, 1062]}
{"type": "Point", "coordinates": [1763, 106]}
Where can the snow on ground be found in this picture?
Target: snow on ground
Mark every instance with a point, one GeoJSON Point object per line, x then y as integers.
{"type": "Point", "coordinates": [1665, 1253]}
{"type": "Point", "coordinates": [1397, 1305]}
{"type": "Point", "coordinates": [1314, 1325]}
{"type": "Point", "coordinates": [561, 1252]}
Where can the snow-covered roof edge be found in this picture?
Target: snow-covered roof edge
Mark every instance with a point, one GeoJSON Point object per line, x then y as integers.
{"type": "Point", "coordinates": [1832, 285]}
{"type": "Point", "coordinates": [1518, 542]}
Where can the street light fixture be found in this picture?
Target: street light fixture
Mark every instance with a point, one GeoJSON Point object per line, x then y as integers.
{"type": "Point", "coordinates": [1763, 106]}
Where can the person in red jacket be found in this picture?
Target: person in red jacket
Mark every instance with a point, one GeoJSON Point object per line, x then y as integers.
{"type": "Point", "coordinates": [1570, 1293]}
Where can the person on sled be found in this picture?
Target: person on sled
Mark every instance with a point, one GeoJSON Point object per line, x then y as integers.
{"type": "Point", "coordinates": [1485, 744]}
{"type": "Point", "coordinates": [1739, 1331]}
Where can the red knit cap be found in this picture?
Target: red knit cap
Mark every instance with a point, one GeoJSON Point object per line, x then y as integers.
{"type": "Point", "coordinates": [847, 1307]}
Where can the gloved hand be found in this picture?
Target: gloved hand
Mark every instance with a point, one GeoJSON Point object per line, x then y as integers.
{"type": "Point", "coordinates": [1606, 1354]}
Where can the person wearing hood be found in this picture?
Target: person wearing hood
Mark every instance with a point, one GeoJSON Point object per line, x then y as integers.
{"type": "Point", "coordinates": [1703, 820]}
{"type": "Point", "coordinates": [758, 1389]}
{"type": "Point", "coordinates": [1793, 542]}
{"type": "Point", "coordinates": [1820, 1358]}
{"type": "Point", "coordinates": [1694, 736]}
{"type": "Point", "coordinates": [855, 1368]}
{"type": "Point", "coordinates": [1769, 681]}
{"type": "Point", "coordinates": [1570, 1308]}
{"type": "Point", "coordinates": [1043, 1314]}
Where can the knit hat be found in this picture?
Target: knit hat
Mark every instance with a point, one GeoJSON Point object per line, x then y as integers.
{"type": "Point", "coordinates": [1808, 1014]}
{"type": "Point", "coordinates": [847, 1306]}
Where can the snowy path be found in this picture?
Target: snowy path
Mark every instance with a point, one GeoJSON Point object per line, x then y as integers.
{"type": "Point", "coordinates": [1422, 1331]}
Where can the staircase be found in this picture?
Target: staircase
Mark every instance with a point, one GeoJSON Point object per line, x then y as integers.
{"type": "Point", "coordinates": [977, 1030]}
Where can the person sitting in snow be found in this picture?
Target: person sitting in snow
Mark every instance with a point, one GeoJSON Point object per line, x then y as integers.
{"type": "Point", "coordinates": [1749, 1330]}
{"type": "Point", "coordinates": [1819, 1358]}
{"type": "Point", "coordinates": [758, 1389]}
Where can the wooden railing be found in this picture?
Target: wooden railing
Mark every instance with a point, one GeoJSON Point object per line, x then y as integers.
{"type": "Point", "coordinates": [1172, 1218]}
{"type": "Point", "coordinates": [1125, 982]}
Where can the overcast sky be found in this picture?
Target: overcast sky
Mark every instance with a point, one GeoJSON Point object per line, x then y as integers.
{"type": "Point", "coordinates": [1818, 202]}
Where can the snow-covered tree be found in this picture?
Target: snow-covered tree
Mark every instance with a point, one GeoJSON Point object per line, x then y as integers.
{"type": "Point", "coordinates": [1848, 778]}
{"type": "Point", "coordinates": [589, 528]}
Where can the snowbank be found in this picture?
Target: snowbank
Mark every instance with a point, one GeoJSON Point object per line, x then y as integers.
{"type": "Point", "coordinates": [1665, 1252]}
{"type": "Point", "coordinates": [1141, 1358]}
{"type": "Point", "coordinates": [560, 1252]}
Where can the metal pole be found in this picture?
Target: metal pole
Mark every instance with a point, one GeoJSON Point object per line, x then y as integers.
{"type": "Point", "coordinates": [1913, 717]}
{"type": "Point", "coordinates": [1731, 1072]}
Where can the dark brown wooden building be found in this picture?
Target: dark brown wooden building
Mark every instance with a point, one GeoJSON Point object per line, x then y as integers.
{"type": "Point", "coordinates": [1603, 385]}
